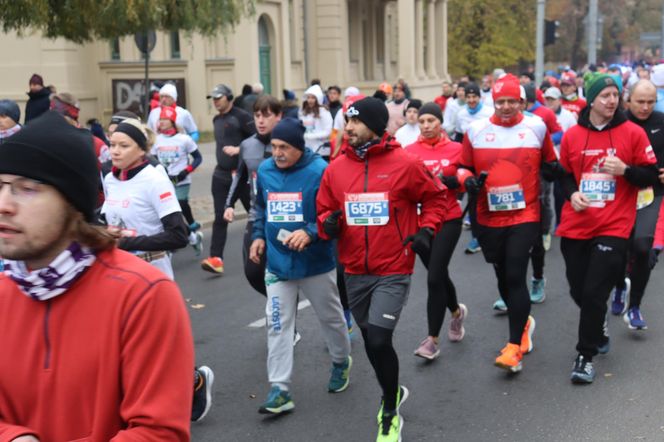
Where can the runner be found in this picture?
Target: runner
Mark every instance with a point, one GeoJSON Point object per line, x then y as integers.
{"type": "Point", "coordinates": [317, 121]}
{"type": "Point", "coordinates": [511, 148]}
{"type": "Point", "coordinates": [409, 132]}
{"type": "Point", "coordinates": [231, 126]}
{"type": "Point", "coordinates": [641, 104]}
{"type": "Point", "coordinates": [452, 108]}
{"type": "Point", "coordinates": [100, 341]}
{"type": "Point", "coordinates": [607, 158]}
{"type": "Point", "coordinates": [446, 94]}
{"type": "Point", "coordinates": [440, 156]}
{"type": "Point", "coordinates": [473, 110]}
{"type": "Point", "coordinates": [253, 151]}
{"type": "Point", "coordinates": [168, 97]}
{"type": "Point", "coordinates": [377, 177]}
{"type": "Point", "coordinates": [298, 262]}
{"type": "Point", "coordinates": [173, 148]}
{"type": "Point", "coordinates": [571, 100]}
{"type": "Point", "coordinates": [396, 108]}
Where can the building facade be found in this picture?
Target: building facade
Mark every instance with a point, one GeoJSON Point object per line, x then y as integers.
{"type": "Point", "coordinates": [285, 45]}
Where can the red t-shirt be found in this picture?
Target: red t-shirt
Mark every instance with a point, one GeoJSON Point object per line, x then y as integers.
{"type": "Point", "coordinates": [441, 101]}
{"type": "Point", "coordinates": [440, 156]}
{"type": "Point", "coordinates": [582, 151]}
{"type": "Point", "coordinates": [512, 156]}
{"type": "Point", "coordinates": [574, 106]}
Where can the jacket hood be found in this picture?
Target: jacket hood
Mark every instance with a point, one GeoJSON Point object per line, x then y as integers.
{"type": "Point", "coordinates": [317, 92]}
{"type": "Point", "coordinates": [584, 119]}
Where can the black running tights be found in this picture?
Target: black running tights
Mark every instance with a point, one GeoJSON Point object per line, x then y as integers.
{"type": "Point", "coordinates": [383, 358]}
{"type": "Point", "coordinates": [441, 290]}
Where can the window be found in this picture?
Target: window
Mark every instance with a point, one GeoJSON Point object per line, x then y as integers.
{"type": "Point", "coordinates": [115, 48]}
{"type": "Point", "coordinates": [175, 45]}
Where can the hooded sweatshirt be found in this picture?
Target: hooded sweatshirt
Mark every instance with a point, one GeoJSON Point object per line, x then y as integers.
{"type": "Point", "coordinates": [317, 129]}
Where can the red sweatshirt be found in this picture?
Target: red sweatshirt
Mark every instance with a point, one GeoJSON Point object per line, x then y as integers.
{"type": "Point", "coordinates": [111, 359]}
{"type": "Point", "coordinates": [379, 196]}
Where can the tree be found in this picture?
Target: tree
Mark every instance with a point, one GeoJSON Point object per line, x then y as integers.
{"type": "Point", "coordinates": [85, 20]}
{"type": "Point", "coordinates": [486, 34]}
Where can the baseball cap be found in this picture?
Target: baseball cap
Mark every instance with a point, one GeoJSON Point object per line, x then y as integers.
{"type": "Point", "coordinates": [553, 92]}
{"type": "Point", "coordinates": [219, 91]}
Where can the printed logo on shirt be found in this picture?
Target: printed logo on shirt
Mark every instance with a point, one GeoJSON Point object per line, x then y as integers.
{"type": "Point", "coordinates": [650, 153]}
{"type": "Point", "coordinates": [603, 248]}
{"type": "Point", "coordinates": [390, 317]}
{"type": "Point", "coordinates": [522, 135]}
{"type": "Point", "coordinates": [654, 131]}
{"type": "Point", "coordinates": [593, 152]}
{"type": "Point", "coordinates": [490, 138]}
{"type": "Point", "coordinates": [383, 176]}
{"type": "Point", "coordinates": [166, 196]}
{"type": "Point", "coordinates": [445, 162]}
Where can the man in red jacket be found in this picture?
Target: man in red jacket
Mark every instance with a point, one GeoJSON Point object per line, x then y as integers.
{"type": "Point", "coordinates": [368, 200]}
{"type": "Point", "coordinates": [607, 159]}
{"type": "Point", "coordinates": [96, 343]}
{"type": "Point", "coordinates": [512, 148]}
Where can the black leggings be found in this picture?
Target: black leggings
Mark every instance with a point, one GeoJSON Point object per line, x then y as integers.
{"type": "Point", "coordinates": [383, 358]}
{"type": "Point", "coordinates": [637, 259]}
{"type": "Point", "coordinates": [591, 266]}
{"type": "Point", "coordinates": [441, 290]}
{"type": "Point", "coordinates": [537, 258]}
{"type": "Point", "coordinates": [255, 273]}
{"type": "Point", "coordinates": [508, 249]}
{"type": "Point", "coordinates": [186, 211]}
{"type": "Point", "coordinates": [221, 184]}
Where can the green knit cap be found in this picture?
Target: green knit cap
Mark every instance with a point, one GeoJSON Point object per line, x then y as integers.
{"type": "Point", "coordinates": [596, 82]}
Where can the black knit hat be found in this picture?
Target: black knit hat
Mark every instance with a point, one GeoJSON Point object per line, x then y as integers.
{"type": "Point", "coordinates": [372, 112]}
{"type": "Point", "coordinates": [472, 88]}
{"type": "Point", "coordinates": [291, 131]}
{"type": "Point", "coordinates": [50, 150]}
{"type": "Point", "coordinates": [413, 103]}
{"type": "Point", "coordinates": [432, 109]}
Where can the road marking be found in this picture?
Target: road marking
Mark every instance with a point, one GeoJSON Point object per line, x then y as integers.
{"type": "Point", "coordinates": [261, 322]}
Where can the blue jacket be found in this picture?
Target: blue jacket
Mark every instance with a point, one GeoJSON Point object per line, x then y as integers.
{"type": "Point", "coordinates": [303, 177]}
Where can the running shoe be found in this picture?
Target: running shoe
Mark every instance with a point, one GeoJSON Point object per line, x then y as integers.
{"type": "Point", "coordinates": [499, 306]}
{"type": "Point", "coordinates": [428, 349]}
{"type": "Point", "coordinates": [203, 378]}
{"type": "Point", "coordinates": [349, 320]}
{"type": "Point", "coordinates": [297, 337]}
{"type": "Point", "coordinates": [340, 377]}
{"type": "Point", "coordinates": [537, 295]}
{"type": "Point", "coordinates": [634, 319]}
{"type": "Point", "coordinates": [196, 241]}
{"type": "Point", "coordinates": [605, 344]}
{"type": "Point", "coordinates": [390, 427]}
{"type": "Point", "coordinates": [456, 331]}
{"type": "Point", "coordinates": [527, 336]}
{"type": "Point", "coordinates": [473, 247]}
{"type": "Point", "coordinates": [510, 358]}
{"type": "Point", "coordinates": [583, 371]}
{"type": "Point", "coordinates": [194, 226]}
{"type": "Point", "coordinates": [402, 395]}
{"type": "Point", "coordinates": [213, 264]}
{"type": "Point", "coordinates": [546, 241]}
{"type": "Point", "coordinates": [466, 222]}
{"type": "Point", "coordinates": [278, 401]}
{"type": "Point", "coordinates": [619, 298]}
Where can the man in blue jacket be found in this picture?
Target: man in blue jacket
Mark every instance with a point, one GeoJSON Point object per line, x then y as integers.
{"type": "Point", "coordinates": [297, 261]}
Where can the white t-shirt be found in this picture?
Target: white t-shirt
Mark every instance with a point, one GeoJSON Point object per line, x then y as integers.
{"type": "Point", "coordinates": [407, 134]}
{"type": "Point", "coordinates": [137, 205]}
{"type": "Point", "coordinates": [173, 153]}
{"type": "Point", "coordinates": [450, 116]}
{"type": "Point", "coordinates": [464, 117]}
{"type": "Point", "coordinates": [566, 119]}
{"type": "Point", "coordinates": [317, 130]}
{"type": "Point", "coordinates": [183, 119]}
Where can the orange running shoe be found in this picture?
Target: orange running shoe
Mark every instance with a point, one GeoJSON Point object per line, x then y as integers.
{"type": "Point", "coordinates": [527, 336]}
{"type": "Point", "coordinates": [213, 264]}
{"type": "Point", "coordinates": [510, 358]}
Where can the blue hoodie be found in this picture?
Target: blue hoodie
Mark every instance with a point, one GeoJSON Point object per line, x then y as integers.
{"type": "Point", "coordinates": [303, 177]}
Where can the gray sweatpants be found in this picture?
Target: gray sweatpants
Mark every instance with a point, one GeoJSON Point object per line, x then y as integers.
{"type": "Point", "coordinates": [321, 291]}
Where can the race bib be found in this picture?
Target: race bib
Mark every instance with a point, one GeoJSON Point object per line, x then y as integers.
{"type": "Point", "coordinates": [367, 209]}
{"type": "Point", "coordinates": [598, 187]}
{"type": "Point", "coordinates": [284, 207]}
{"type": "Point", "coordinates": [506, 198]}
{"type": "Point", "coordinates": [645, 198]}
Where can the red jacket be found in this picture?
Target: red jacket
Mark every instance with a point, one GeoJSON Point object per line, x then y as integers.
{"type": "Point", "coordinates": [441, 100]}
{"type": "Point", "coordinates": [582, 151]}
{"type": "Point", "coordinates": [111, 359]}
{"type": "Point", "coordinates": [440, 156]}
{"type": "Point", "coordinates": [392, 180]}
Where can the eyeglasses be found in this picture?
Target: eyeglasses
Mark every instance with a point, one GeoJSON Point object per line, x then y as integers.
{"type": "Point", "coordinates": [22, 189]}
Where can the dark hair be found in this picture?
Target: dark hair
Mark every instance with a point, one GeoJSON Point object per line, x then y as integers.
{"type": "Point", "coordinates": [380, 95]}
{"type": "Point", "coordinates": [306, 110]}
{"type": "Point", "coordinates": [334, 88]}
{"type": "Point", "coordinates": [315, 81]}
{"type": "Point", "coordinates": [247, 89]}
{"type": "Point", "coordinates": [267, 103]}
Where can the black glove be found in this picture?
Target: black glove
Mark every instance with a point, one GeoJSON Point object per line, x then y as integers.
{"type": "Point", "coordinates": [182, 175]}
{"type": "Point", "coordinates": [173, 178]}
{"type": "Point", "coordinates": [472, 185]}
{"type": "Point", "coordinates": [421, 241]}
{"type": "Point", "coordinates": [653, 257]}
{"type": "Point", "coordinates": [552, 170]}
{"type": "Point", "coordinates": [451, 182]}
{"type": "Point", "coordinates": [331, 225]}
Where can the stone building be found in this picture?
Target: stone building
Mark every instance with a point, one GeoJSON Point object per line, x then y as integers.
{"type": "Point", "coordinates": [285, 45]}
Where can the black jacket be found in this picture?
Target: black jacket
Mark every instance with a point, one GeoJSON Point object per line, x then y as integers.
{"type": "Point", "coordinates": [654, 127]}
{"type": "Point", "coordinates": [37, 104]}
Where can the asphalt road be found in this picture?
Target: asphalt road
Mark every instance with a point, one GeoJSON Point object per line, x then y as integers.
{"type": "Point", "coordinates": [459, 397]}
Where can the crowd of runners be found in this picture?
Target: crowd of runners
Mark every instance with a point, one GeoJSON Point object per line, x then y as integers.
{"type": "Point", "coordinates": [343, 191]}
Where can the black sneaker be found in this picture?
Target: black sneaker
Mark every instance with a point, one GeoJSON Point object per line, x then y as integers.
{"type": "Point", "coordinates": [202, 393]}
{"type": "Point", "coordinates": [583, 371]}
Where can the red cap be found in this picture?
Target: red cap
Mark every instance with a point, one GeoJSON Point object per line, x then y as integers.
{"type": "Point", "coordinates": [506, 86]}
{"type": "Point", "coordinates": [168, 113]}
